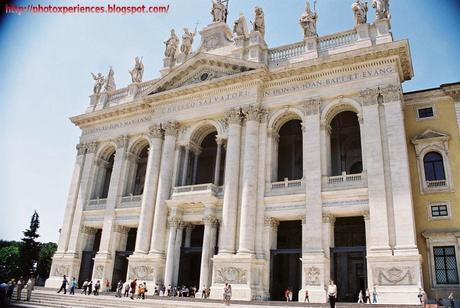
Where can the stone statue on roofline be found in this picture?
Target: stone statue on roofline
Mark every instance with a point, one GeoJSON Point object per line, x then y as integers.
{"type": "Point", "coordinates": [110, 84]}
{"type": "Point", "coordinates": [218, 11]}
{"type": "Point", "coordinates": [308, 21]}
{"type": "Point", "coordinates": [171, 45]}
{"type": "Point", "coordinates": [187, 41]}
{"type": "Point", "coordinates": [99, 82]}
{"type": "Point", "coordinates": [259, 21]}
{"type": "Point", "coordinates": [138, 71]}
{"type": "Point", "coordinates": [382, 9]}
{"type": "Point", "coordinates": [240, 27]}
{"type": "Point", "coordinates": [360, 11]}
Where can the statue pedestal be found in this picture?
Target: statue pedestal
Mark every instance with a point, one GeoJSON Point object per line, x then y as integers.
{"type": "Point", "coordinates": [168, 64]}
{"type": "Point", "coordinates": [132, 90]}
{"type": "Point", "coordinates": [315, 277]}
{"type": "Point", "coordinates": [241, 44]}
{"type": "Point", "coordinates": [257, 48]}
{"type": "Point", "coordinates": [146, 269]}
{"type": "Point", "coordinates": [311, 48]}
{"type": "Point", "coordinates": [384, 34]}
{"type": "Point", "coordinates": [215, 35]}
{"type": "Point", "coordinates": [364, 39]}
{"type": "Point", "coordinates": [63, 264]}
{"type": "Point", "coordinates": [93, 100]}
{"type": "Point", "coordinates": [102, 101]}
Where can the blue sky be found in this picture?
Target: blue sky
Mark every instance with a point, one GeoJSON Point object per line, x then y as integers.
{"type": "Point", "coordinates": [46, 60]}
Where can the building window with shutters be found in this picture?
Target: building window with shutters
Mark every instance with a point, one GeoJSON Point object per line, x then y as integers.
{"type": "Point", "coordinates": [445, 264]}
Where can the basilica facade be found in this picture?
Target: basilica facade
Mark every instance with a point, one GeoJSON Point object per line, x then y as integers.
{"type": "Point", "coordinates": [261, 167]}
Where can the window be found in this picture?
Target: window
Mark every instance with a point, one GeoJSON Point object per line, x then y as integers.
{"type": "Point", "coordinates": [434, 167]}
{"type": "Point", "coordinates": [439, 210]}
{"type": "Point", "coordinates": [445, 263]}
{"type": "Point", "coordinates": [425, 112]}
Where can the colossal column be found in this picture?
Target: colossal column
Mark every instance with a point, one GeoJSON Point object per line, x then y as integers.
{"type": "Point", "coordinates": [249, 194]}
{"type": "Point", "coordinates": [144, 232]}
{"type": "Point", "coordinates": [219, 142]}
{"type": "Point", "coordinates": [210, 223]}
{"type": "Point", "coordinates": [230, 203]}
{"type": "Point", "coordinates": [174, 222]}
{"type": "Point", "coordinates": [164, 188]}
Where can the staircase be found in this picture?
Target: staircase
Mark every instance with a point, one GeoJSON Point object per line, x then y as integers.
{"type": "Point", "coordinates": [49, 298]}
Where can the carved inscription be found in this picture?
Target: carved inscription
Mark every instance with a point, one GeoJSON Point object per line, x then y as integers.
{"type": "Point", "coordinates": [116, 125]}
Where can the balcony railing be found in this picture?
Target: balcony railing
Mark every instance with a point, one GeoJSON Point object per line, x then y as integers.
{"type": "Point", "coordinates": [196, 188]}
{"type": "Point", "coordinates": [96, 204]}
{"type": "Point", "coordinates": [286, 52]}
{"type": "Point", "coordinates": [285, 187]}
{"type": "Point", "coordinates": [436, 184]}
{"type": "Point", "coordinates": [336, 40]}
{"type": "Point", "coordinates": [344, 181]}
{"type": "Point", "coordinates": [130, 201]}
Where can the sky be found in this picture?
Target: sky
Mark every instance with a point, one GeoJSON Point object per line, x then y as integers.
{"type": "Point", "coordinates": [46, 60]}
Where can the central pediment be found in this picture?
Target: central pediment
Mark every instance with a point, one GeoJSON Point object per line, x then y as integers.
{"type": "Point", "coordinates": [201, 68]}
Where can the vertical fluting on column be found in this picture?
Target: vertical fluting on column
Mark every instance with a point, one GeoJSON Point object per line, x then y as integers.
{"type": "Point", "coordinates": [83, 195]}
{"type": "Point", "coordinates": [144, 231]}
{"type": "Point", "coordinates": [174, 223]}
{"type": "Point", "coordinates": [230, 203]}
{"type": "Point", "coordinates": [72, 199]}
{"type": "Point", "coordinates": [177, 247]}
{"type": "Point", "coordinates": [270, 233]}
{"type": "Point", "coordinates": [249, 193]}
{"type": "Point", "coordinates": [260, 213]}
{"type": "Point", "coordinates": [325, 150]}
{"type": "Point", "coordinates": [210, 223]}
{"type": "Point", "coordinates": [114, 194]}
{"type": "Point", "coordinates": [312, 235]}
{"type": "Point", "coordinates": [379, 233]}
{"type": "Point", "coordinates": [188, 235]}
{"type": "Point", "coordinates": [164, 188]}
{"type": "Point", "coordinates": [275, 143]}
{"type": "Point", "coordinates": [185, 166]}
{"type": "Point", "coordinates": [218, 158]}
{"type": "Point", "coordinates": [363, 144]}
{"type": "Point", "coordinates": [196, 156]}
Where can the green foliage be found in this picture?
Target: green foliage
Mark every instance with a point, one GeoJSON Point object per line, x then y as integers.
{"type": "Point", "coordinates": [30, 248]}
{"type": "Point", "coordinates": [44, 259]}
{"type": "Point", "coordinates": [9, 262]}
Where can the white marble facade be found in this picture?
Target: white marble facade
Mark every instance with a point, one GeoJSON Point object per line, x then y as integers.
{"type": "Point", "coordinates": [245, 92]}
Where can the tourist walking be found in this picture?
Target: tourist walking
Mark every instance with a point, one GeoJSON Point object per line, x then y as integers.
{"type": "Point", "coordinates": [367, 299]}
{"type": "Point", "coordinates": [97, 287]}
{"type": "Point", "coordinates": [119, 288]}
{"type": "Point", "coordinates": [90, 287]}
{"type": "Point", "coordinates": [360, 297]}
{"type": "Point", "coordinates": [30, 287]}
{"type": "Point", "coordinates": [307, 298]}
{"type": "Point", "coordinates": [126, 288]}
{"type": "Point", "coordinates": [374, 296]}
{"type": "Point", "coordinates": [133, 288]}
{"type": "Point", "coordinates": [73, 286]}
{"type": "Point", "coordinates": [451, 300]}
{"type": "Point", "coordinates": [286, 294]}
{"type": "Point", "coordinates": [63, 285]}
{"type": "Point", "coordinates": [19, 287]}
{"type": "Point", "coordinates": [84, 286]}
{"type": "Point", "coordinates": [332, 293]}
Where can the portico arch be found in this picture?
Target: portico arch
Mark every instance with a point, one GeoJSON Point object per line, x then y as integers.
{"type": "Point", "coordinates": [104, 166]}
{"type": "Point", "coordinates": [137, 165]}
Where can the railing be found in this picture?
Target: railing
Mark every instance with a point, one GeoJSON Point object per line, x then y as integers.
{"type": "Point", "coordinates": [436, 183]}
{"type": "Point", "coordinates": [145, 85]}
{"type": "Point", "coordinates": [96, 204]}
{"type": "Point", "coordinates": [117, 95]}
{"type": "Point", "coordinates": [287, 184]}
{"type": "Point", "coordinates": [337, 40]}
{"type": "Point", "coordinates": [195, 188]}
{"type": "Point", "coordinates": [344, 180]}
{"type": "Point", "coordinates": [286, 52]}
{"type": "Point", "coordinates": [131, 198]}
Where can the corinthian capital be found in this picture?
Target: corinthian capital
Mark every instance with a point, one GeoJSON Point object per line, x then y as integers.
{"type": "Point", "coordinates": [81, 149]}
{"type": "Point", "coordinates": [121, 142]}
{"type": "Point", "coordinates": [391, 93]}
{"type": "Point", "coordinates": [91, 147]}
{"type": "Point", "coordinates": [174, 221]}
{"type": "Point", "coordinates": [369, 96]}
{"type": "Point", "coordinates": [155, 131]}
{"type": "Point", "coordinates": [171, 128]}
{"type": "Point", "coordinates": [311, 106]}
{"type": "Point", "coordinates": [210, 220]}
{"type": "Point", "coordinates": [233, 116]}
{"type": "Point", "coordinates": [253, 113]}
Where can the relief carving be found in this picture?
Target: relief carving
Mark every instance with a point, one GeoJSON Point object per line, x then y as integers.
{"type": "Point", "coordinates": [62, 270]}
{"type": "Point", "coordinates": [231, 275]}
{"type": "Point", "coordinates": [99, 272]}
{"type": "Point", "coordinates": [312, 276]}
{"type": "Point", "coordinates": [394, 276]}
{"type": "Point", "coordinates": [142, 272]}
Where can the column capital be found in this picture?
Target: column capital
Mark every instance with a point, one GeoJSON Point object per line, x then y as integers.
{"type": "Point", "coordinates": [189, 226]}
{"type": "Point", "coordinates": [271, 222]}
{"type": "Point", "coordinates": [120, 229]}
{"type": "Point", "coordinates": [155, 131]}
{"type": "Point", "coordinates": [369, 96]}
{"type": "Point", "coordinates": [253, 113]}
{"type": "Point", "coordinates": [171, 128]}
{"type": "Point", "coordinates": [132, 157]}
{"type": "Point", "coordinates": [219, 140]}
{"type": "Point", "coordinates": [327, 218]}
{"type": "Point", "coordinates": [391, 93]}
{"type": "Point", "coordinates": [210, 220]}
{"type": "Point", "coordinates": [91, 147]}
{"type": "Point", "coordinates": [233, 116]}
{"type": "Point", "coordinates": [365, 215]}
{"type": "Point", "coordinates": [81, 148]}
{"type": "Point", "coordinates": [360, 118]}
{"type": "Point", "coordinates": [121, 142]}
{"type": "Point", "coordinates": [88, 230]}
{"type": "Point", "coordinates": [175, 221]}
{"type": "Point", "coordinates": [311, 106]}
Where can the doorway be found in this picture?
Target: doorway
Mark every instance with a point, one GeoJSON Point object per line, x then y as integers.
{"type": "Point", "coordinates": [190, 259]}
{"type": "Point", "coordinates": [120, 264]}
{"type": "Point", "coordinates": [87, 259]}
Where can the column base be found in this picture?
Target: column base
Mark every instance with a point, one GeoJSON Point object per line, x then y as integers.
{"type": "Point", "coordinates": [146, 268]}
{"type": "Point", "coordinates": [63, 264]}
{"type": "Point", "coordinates": [315, 276]}
{"type": "Point", "coordinates": [397, 279]}
{"type": "Point", "coordinates": [243, 272]}
{"type": "Point", "coordinates": [103, 268]}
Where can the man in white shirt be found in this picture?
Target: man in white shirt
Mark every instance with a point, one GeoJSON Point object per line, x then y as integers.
{"type": "Point", "coordinates": [332, 293]}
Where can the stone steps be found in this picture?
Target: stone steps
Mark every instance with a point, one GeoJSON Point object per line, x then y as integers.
{"type": "Point", "coordinates": [48, 298]}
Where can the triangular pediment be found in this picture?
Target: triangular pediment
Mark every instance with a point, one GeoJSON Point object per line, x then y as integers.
{"type": "Point", "coordinates": [428, 135]}
{"type": "Point", "coordinates": [201, 68]}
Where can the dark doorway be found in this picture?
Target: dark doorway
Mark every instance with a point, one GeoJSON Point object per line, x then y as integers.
{"type": "Point", "coordinates": [285, 265]}
{"type": "Point", "coordinates": [87, 259]}
{"type": "Point", "coordinates": [290, 151]}
{"type": "Point", "coordinates": [120, 264]}
{"type": "Point", "coordinates": [190, 259]}
{"type": "Point", "coordinates": [348, 262]}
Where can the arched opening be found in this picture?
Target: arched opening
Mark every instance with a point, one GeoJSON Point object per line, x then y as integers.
{"type": "Point", "coordinates": [206, 160]}
{"type": "Point", "coordinates": [346, 155]}
{"type": "Point", "coordinates": [290, 157]}
{"type": "Point", "coordinates": [103, 175]}
{"type": "Point", "coordinates": [137, 170]}
{"type": "Point", "coordinates": [434, 167]}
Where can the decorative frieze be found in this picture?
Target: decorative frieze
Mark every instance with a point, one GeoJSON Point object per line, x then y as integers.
{"type": "Point", "coordinates": [120, 229]}
{"type": "Point", "coordinates": [233, 116]}
{"type": "Point", "coordinates": [88, 230]}
{"type": "Point", "coordinates": [232, 275]}
{"type": "Point", "coordinates": [384, 276]}
{"type": "Point", "coordinates": [312, 276]}
{"type": "Point", "coordinates": [171, 128]}
{"type": "Point", "coordinates": [142, 272]}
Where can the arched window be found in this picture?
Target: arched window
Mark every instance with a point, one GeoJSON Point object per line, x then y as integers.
{"type": "Point", "coordinates": [103, 175]}
{"type": "Point", "coordinates": [290, 160]}
{"type": "Point", "coordinates": [139, 179]}
{"type": "Point", "coordinates": [434, 167]}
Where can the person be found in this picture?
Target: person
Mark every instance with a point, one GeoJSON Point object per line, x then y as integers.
{"type": "Point", "coordinates": [30, 287]}
{"type": "Point", "coordinates": [168, 290]}
{"type": "Point", "coordinates": [368, 296]}
{"type": "Point", "coordinates": [203, 292]}
{"type": "Point", "coordinates": [360, 297]}
{"type": "Point", "coordinates": [73, 286]}
{"type": "Point", "coordinates": [224, 295]}
{"type": "Point", "coordinates": [19, 287]}
{"type": "Point", "coordinates": [163, 290]}
{"type": "Point", "coordinates": [133, 288]}
{"type": "Point", "coordinates": [145, 289]}
{"type": "Point", "coordinates": [63, 285]}
{"type": "Point", "coordinates": [3, 291]}
{"type": "Point", "coordinates": [84, 286]}
{"type": "Point", "coordinates": [286, 294]}
{"type": "Point", "coordinates": [126, 288]}
{"type": "Point", "coordinates": [119, 288]}
{"type": "Point", "coordinates": [141, 292]}
{"type": "Point", "coordinates": [156, 290]}
{"type": "Point", "coordinates": [97, 287]}
{"type": "Point", "coordinates": [451, 300]}
{"type": "Point", "coordinates": [229, 294]}
{"type": "Point", "coordinates": [374, 296]}
{"type": "Point", "coordinates": [90, 287]}
{"type": "Point", "coordinates": [307, 298]}
{"type": "Point", "coordinates": [332, 293]}
{"type": "Point", "coordinates": [107, 285]}
{"type": "Point", "coordinates": [9, 292]}
{"type": "Point", "coordinates": [439, 302]}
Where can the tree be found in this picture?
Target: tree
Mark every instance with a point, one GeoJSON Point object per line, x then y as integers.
{"type": "Point", "coordinates": [9, 261]}
{"type": "Point", "coordinates": [44, 259]}
{"type": "Point", "coordinates": [30, 249]}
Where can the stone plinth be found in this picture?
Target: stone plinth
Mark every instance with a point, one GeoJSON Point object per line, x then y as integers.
{"type": "Point", "coordinates": [146, 269]}
{"type": "Point", "coordinates": [364, 39]}
{"type": "Point", "coordinates": [311, 48]}
{"type": "Point", "coordinates": [68, 265]}
{"type": "Point", "coordinates": [215, 35]}
{"type": "Point", "coordinates": [384, 34]}
{"type": "Point", "coordinates": [315, 275]}
{"type": "Point", "coordinates": [257, 48]}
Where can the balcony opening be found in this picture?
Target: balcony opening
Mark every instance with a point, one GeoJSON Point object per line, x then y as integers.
{"type": "Point", "coordinates": [290, 160]}
{"type": "Point", "coordinates": [104, 174]}
{"type": "Point", "coordinates": [346, 155]}
{"type": "Point", "coordinates": [137, 167]}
